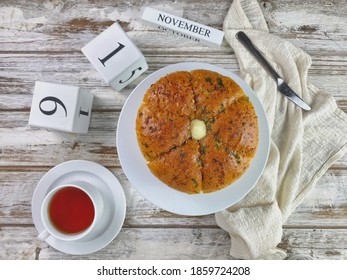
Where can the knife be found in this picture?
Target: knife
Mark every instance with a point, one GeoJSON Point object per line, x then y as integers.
{"type": "Point", "coordinates": [282, 86]}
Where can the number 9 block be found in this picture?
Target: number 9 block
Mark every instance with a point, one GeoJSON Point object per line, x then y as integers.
{"type": "Point", "coordinates": [61, 107]}
{"type": "Point", "coordinates": [115, 57]}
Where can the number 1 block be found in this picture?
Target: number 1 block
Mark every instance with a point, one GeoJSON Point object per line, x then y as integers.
{"type": "Point", "coordinates": [115, 57]}
{"type": "Point", "coordinates": [61, 107]}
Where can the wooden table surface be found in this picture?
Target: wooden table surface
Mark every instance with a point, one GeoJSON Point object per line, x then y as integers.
{"type": "Point", "coordinates": [41, 40]}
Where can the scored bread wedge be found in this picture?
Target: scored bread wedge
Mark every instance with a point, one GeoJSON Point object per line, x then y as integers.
{"type": "Point", "coordinates": [180, 168]}
{"type": "Point", "coordinates": [220, 166]}
{"type": "Point", "coordinates": [158, 132]}
{"type": "Point", "coordinates": [213, 93]}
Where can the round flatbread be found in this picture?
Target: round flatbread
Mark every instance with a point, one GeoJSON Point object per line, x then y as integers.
{"type": "Point", "coordinates": [203, 164]}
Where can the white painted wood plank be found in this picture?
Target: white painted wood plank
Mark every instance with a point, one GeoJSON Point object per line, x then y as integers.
{"type": "Point", "coordinates": [325, 207]}
{"type": "Point", "coordinates": [45, 26]}
{"type": "Point", "coordinates": [18, 76]}
{"type": "Point", "coordinates": [153, 243]}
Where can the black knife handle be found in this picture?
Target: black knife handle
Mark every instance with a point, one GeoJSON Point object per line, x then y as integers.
{"type": "Point", "coordinates": [246, 42]}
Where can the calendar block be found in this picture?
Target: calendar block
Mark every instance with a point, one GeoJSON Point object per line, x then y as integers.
{"type": "Point", "coordinates": [115, 57]}
{"type": "Point", "coordinates": [61, 107]}
{"type": "Point", "coordinates": [183, 28]}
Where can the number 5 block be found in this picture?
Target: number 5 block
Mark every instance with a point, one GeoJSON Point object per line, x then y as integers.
{"type": "Point", "coordinates": [115, 57]}
{"type": "Point", "coordinates": [61, 107]}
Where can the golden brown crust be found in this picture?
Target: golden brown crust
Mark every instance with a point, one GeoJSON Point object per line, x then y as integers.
{"type": "Point", "coordinates": [172, 93]}
{"type": "Point", "coordinates": [237, 127]}
{"type": "Point", "coordinates": [163, 131]}
{"type": "Point", "coordinates": [220, 166]}
{"type": "Point", "coordinates": [213, 93]}
{"type": "Point", "coordinates": [158, 132]}
{"type": "Point", "coordinates": [180, 168]}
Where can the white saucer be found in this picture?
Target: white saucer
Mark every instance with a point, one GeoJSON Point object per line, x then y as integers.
{"type": "Point", "coordinates": [109, 187]}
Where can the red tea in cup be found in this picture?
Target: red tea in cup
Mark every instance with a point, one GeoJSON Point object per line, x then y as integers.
{"type": "Point", "coordinates": [71, 210]}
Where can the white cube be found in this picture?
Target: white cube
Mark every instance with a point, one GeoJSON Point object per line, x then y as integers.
{"type": "Point", "coordinates": [115, 57]}
{"type": "Point", "coordinates": [61, 107]}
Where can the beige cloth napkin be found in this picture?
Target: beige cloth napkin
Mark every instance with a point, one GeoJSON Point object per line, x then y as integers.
{"type": "Point", "coordinates": [303, 144]}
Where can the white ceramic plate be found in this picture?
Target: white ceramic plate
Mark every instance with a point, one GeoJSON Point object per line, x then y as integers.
{"type": "Point", "coordinates": [135, 166]}
{"type": "Point", "coordinates": [110, 189]}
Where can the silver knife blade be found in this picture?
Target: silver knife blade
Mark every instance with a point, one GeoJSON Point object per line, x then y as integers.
{"type": "Point", "coordinates": [282, 86]}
